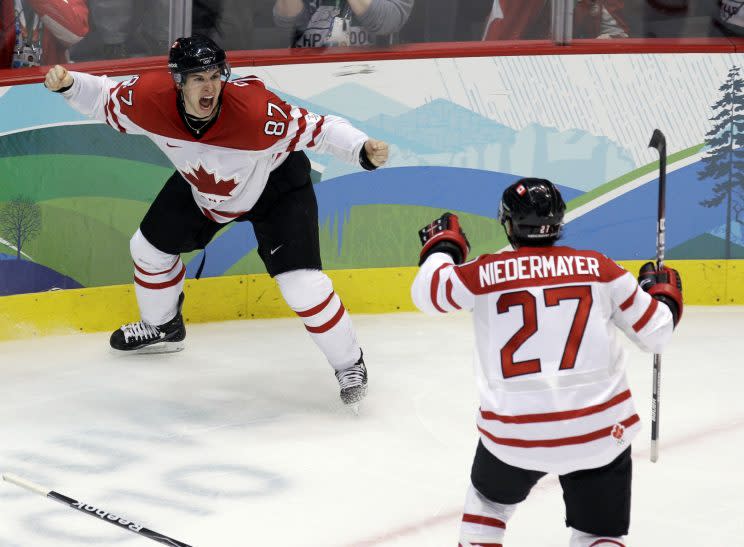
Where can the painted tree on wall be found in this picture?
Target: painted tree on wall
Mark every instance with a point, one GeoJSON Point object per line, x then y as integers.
{"type": "Point", "coordinates": [20, 221]}
{"type": "Point", "coordinates": [724, 162]}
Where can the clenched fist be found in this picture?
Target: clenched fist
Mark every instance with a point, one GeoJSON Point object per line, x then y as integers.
{"type": "Point", "coordinates": [57, 78]}
{"type": "Point", "coordinates": [377, 152]}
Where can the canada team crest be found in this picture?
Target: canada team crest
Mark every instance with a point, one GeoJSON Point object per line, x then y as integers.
{"type": "Point", "coordinates": [618, 433]}
{"type": "Point", "coordinates": [209, 184]}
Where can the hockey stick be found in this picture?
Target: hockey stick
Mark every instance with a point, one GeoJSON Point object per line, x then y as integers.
{"type": "Point", "coordinates": [658, 141]}
{"type": "Point", "coordinates": [102, 514]}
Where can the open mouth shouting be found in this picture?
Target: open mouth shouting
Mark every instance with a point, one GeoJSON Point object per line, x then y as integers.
{"type": "Point", "coordinates": [207, 104]}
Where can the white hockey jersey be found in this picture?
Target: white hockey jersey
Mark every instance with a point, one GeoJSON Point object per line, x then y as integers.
{"type": "Point", "coordinates": [549, 369]}
{"type": "Point", "coordinates": [227, 167]}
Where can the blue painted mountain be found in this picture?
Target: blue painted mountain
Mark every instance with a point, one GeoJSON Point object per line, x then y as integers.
{"type": "Point", "coordinates": [440, 187]}
{"type": "Point", "coordinates": [625, 228]}
{"type": "Point", "coordinates": [382, 134]}
{"type": "Point", "coordinates": [23, 276]}
{"type": "Point", "coordinates": [462, 137]}
{"type": "Point", "coordinates": [737, 233]}
{"type": "Point", "coordinates": [357, 102]}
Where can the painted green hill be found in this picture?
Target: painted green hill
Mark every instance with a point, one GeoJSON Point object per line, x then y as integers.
{"type": "Point", "coordinates": [87, 238]}
{"type": "Point", "coordinates": [378, 236]}
{"type": "Point", "coordinates": [44, 177]}
{"type": "Point", "coordinates": [80, 140]}
{"type": "Point", "coordinates": [704, 246]}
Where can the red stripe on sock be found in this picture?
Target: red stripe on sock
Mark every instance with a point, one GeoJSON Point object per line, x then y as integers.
{"type": "Point", "coordinates": [145, 272]}
{"type": "Point", "coordinates": [163, 285]}
{"type": "Point", "coordinates": [317, 309]}
{"type": "Point", "coordinates": [325, 327]}
{"type": "Point", "coordinates": [486, 521]}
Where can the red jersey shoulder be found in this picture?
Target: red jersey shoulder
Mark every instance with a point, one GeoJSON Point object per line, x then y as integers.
{"type": "Point", "coordinates": [149, 101]}
{"type": "Point", "coordinates": [609, 270]}
{"type": "Point", "coordinates": [252, 111]}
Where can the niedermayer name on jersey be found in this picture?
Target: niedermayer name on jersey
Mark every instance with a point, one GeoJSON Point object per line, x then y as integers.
{"type": "Point", "coordinates": [535, 267]}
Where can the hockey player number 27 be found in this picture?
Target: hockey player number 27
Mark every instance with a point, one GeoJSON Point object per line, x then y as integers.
{"type": "Point", "coordinates": [553, 297]}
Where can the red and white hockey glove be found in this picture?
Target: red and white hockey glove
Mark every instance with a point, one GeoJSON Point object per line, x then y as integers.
{"type": "Point", "coordinates": [665, 285]}
{"type": "Point", "coordinates": [444, 235]}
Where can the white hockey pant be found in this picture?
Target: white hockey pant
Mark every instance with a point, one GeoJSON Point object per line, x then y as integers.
{"type": "Point", "coordinates": [582, 539]}
{"type": "Point", "coordinates": [483, 521]}
{"type": "Point", "coordinates": [311, 296]}
{"type": "Point", "coordinates": [158, 280]}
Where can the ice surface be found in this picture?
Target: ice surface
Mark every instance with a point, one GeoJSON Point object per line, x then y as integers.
{"type": "Point", "coordinates": [240, 440]}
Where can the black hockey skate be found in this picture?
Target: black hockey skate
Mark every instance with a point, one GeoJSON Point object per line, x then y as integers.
{"type": "Point", "coordinates": [353, 382]}
{"type": "Point", "coordinates": [142, 337]}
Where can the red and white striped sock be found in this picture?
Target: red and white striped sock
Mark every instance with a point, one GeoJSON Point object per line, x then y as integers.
{"type": "Point", "coordinates": [310, 294]}
{"type": "Point", "coordinates": [158, 280]}
{"type": "Point", "coordinates": [483, 521]}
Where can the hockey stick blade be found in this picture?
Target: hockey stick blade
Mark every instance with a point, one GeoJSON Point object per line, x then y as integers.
{"type": "Point", "coordinates": [658, 141]}
{"type": "Point", "coordinates": [93, 511]}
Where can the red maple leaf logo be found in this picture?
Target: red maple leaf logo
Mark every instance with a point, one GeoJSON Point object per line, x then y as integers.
{"type": "Point", "coordinates": [207, 183]}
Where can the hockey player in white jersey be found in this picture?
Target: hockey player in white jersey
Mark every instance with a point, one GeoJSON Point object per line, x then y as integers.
{"type": "Point", "coordinates": [237, 150]}
{"type": "Point", "coordinates": [550, 372]}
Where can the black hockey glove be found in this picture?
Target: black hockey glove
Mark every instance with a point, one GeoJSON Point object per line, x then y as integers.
{"type": "Point", "coordinates": [364, 160]}
{"type": "Point", "coordinates": [444, 235]}
{"type": "Point", "coordinates": [665, 285]}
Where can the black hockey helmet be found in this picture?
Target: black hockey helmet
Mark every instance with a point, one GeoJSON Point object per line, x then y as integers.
{"type": "Point", "coordinates": [533, 209]}
{"type": "Point", "coordinates": [195, 54]}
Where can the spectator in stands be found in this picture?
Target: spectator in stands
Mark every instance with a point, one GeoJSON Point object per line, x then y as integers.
{"type": "Point", "coordinates": [531, 20]}
{"type": "Point", "coordinates": [447, 21]}
{"type": "Point", "coordinates": [320, 23]}
{"type": "Point", "coordinates": [132, 28]}
{"type": "Point", "coordinates": [36, 32]}
{"type": "Point", "coordinates": [111, 23]}
{"type": "Point", "coordinates": [731, 17]}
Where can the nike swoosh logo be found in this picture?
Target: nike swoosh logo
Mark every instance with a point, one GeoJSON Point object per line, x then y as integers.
{"type": "Point", "coordinates": [275, 249]}
{"type": "Point", "coordinates": [169, 145]}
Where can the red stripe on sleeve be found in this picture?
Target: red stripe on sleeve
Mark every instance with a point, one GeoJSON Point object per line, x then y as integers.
{"type": "Point", "coordinates": [163, 285]}
{"type": "Point", "coordinates": [607, 541]}
{"type": "Point", "coordinates": [645, 318]}
{"type": "Point", "coordinates": [110, 107]}
{"type": "Point", "coordinates": [448, 294]}
{"type": "Point", "coordinates": [318, 128]}
{"type": "Point", "coordinates": [302, 124]}
{"type": "Point", "coordinates": [330, 324]}
{"type": "Point", "coordinates": [316, 309]}
{"type": "Point", "coordinates": [435, 287]}
{"type": "Point", "coordinates": [486, 521]}
{"type": "Point", "coordinates": [629, 302]}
